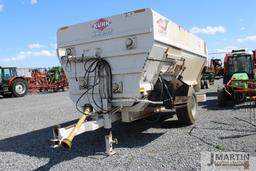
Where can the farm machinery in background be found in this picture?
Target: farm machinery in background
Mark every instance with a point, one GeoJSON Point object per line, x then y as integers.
{"type": "Point", "coordinates": [211, 72]}
{"type": "Point", "coordinates": [239, 78]}
{"type": "Point", "coordinates": [18, 82]}
{"type": "Point", "coordinates": [11, 84]}
{"type": "Point", "coordinates": [216, 64]}
{"type": "Point", "coordinates": [44, 80]}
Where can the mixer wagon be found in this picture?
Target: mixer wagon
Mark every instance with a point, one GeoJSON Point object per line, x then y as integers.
{"type": "Point", "coordinates": [127, 67]}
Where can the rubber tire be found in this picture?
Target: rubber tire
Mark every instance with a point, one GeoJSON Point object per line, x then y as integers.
{"type": "Point", "coordinates": [222, 100]}
{"type": "Point", "coordinates": [202, 84]}
{"type": "Point", "coordinates": [17, 81]}
{"type": "Point", "coordinates": [206, 85]}
{"type": "Point", "coordinates": [185, 115]}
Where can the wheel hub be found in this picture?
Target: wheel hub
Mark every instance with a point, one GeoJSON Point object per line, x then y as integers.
{"type": "Point", "coordinates": [20, 88]}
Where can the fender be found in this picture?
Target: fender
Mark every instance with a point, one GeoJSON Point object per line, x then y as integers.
{"type": "Point", "coordinates": [14, 78]}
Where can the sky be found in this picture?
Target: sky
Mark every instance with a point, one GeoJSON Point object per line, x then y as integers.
{"type": "Point", "coordinates": [28, 27]}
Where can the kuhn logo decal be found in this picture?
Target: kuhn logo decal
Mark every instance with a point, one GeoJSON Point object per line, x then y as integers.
{"type": "Point", "coordinates": [101, 24]}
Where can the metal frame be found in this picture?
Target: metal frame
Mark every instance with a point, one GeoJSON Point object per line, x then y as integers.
{"type": "Point", "coordinates": [105, 120]}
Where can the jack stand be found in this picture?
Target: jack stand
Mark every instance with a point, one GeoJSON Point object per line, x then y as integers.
{"type": "Point", "coordinates": [108, 136]}
{"type": "Point", "coordinates": [109, 142]}
{"type": "Point", "coordinates": [55, 142]}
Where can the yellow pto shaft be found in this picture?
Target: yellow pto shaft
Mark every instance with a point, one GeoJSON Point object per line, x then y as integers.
{"type": "Point", "coordinates": [67, 142]}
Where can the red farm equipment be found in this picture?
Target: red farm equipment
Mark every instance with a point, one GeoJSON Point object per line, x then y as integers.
{"type": "Point", "coordinates": [52, 79]}
{"type": "Point", "coordinates": [11, 84]}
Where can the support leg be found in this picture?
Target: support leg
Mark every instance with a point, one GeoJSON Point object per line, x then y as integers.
{"type": "Point", "coordinates": [108, 136]}
{"type": "Point", "coordinates": [55, 142]}
{"type": "Point", "coordinates": [109, 142]}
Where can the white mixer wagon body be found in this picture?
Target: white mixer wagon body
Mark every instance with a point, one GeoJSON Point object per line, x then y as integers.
{"type": "Point", "coordinates": [143, 49]}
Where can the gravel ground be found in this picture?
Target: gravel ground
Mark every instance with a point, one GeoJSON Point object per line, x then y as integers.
{"type": "Point", "coordinates": [26, 126]}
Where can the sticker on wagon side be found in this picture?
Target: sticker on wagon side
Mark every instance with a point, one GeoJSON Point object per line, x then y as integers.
{"type": "Point", "coordinates": [162, 25]}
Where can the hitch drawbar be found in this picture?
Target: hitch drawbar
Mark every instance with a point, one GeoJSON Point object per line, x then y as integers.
{"type": "Point", "coordinates": [63, 137]}
{"type": "Point", "coordinates": [67, 142]}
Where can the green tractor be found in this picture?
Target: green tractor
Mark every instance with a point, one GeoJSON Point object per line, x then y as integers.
{"type": "Point", "coordinates": [214, 71]}
{"type": "Point", "coordinates": [238, 70]}
{"type": "Point", "coordinates": [207, 78]}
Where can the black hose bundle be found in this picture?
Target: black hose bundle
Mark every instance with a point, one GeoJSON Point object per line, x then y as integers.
{"type": "Point", "coordinates": [97, 73]}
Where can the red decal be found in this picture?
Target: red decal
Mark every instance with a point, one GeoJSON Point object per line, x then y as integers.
{"type": "Point", "coordinates": [101, 24]}
{"type": "Point", "coordinates": [162, 23]}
